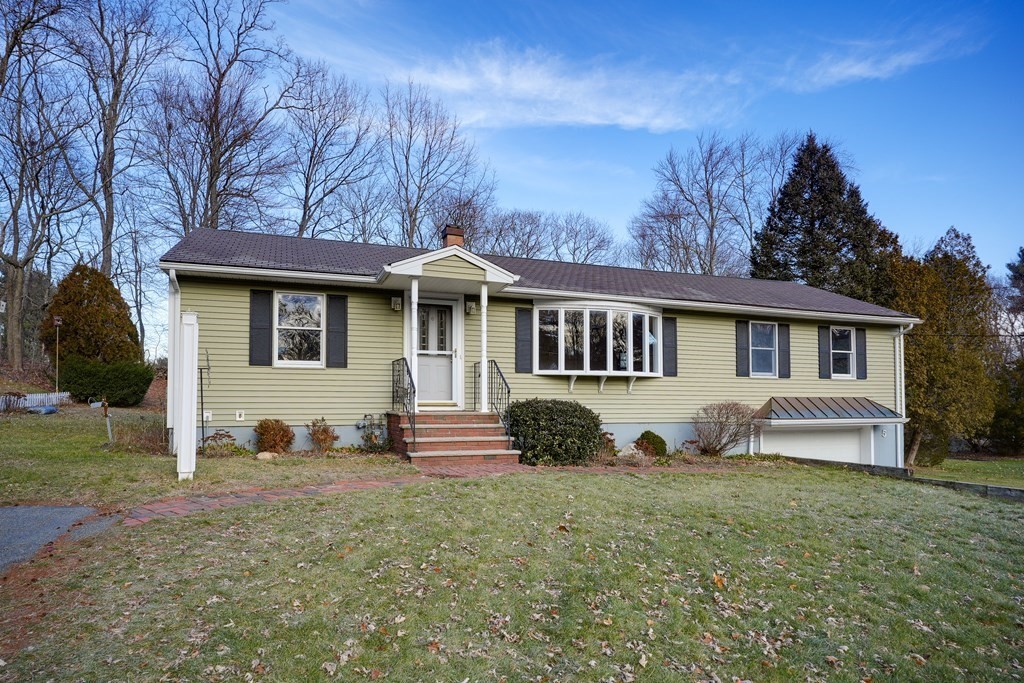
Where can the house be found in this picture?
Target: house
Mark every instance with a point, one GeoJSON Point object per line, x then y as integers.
{"type": "Point", "coordinates": [298, 329]}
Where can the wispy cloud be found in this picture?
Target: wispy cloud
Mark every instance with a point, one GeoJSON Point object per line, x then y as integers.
{"type": "Point", "coordinates": [878, 59]}
{"type": "Point", "coordinates": [493, 86]}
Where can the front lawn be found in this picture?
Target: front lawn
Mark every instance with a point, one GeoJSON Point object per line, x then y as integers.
{"type": "Point", "coordinates": [791, 573]}
{"type": "Point", "coordinates": [61, 459]}
{"type": "Point", "coordinates": [999, 472]}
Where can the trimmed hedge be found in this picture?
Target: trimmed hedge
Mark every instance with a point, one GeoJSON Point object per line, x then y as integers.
{"type": "Point", "coordinates": [123, 383]}
{"type": "Point", "coordinates": [656, 443]}
{"type": "Point", "coordinates": [550, 432]}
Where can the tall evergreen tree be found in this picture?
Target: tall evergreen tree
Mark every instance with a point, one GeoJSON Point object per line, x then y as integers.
{"type": "Point", "coordinates": [1016, 269]}
{"type": "Point", "coordinates": [949, 390]}
{"type": "Point", "coordinates": [819, 232]}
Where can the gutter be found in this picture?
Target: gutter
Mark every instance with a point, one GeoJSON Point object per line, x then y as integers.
{"type": "Point", "coordinates": [681, 304]}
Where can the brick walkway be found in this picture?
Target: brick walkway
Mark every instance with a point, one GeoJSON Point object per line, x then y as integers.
{"type": "Point", "coordinates": [179, 507]}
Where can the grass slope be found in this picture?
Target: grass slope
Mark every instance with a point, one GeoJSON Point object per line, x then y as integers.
{"type": "Point", "coordinates": [1003, 472]}
{"type": "Point", "coordinates": [792, 573]}
{"type": "Point", "coordinates": [61, 459]}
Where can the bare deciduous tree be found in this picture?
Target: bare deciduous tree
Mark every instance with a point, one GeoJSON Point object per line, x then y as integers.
{"type": "Point", "coordinates": [709, 202]}
{"type": "Point", "coordinates": [37, 126]}
{"type": "Point", "coordinates": [213, 135]}
{"type": "Point", "coordinates": [579, 238]}
{"type": "Point", "coordinates": [426, 158]}
{"type": "Point", "coordinates": [511, 232]}
{"type": "Point", "coordinates": [333, 141]}
{"type": "Point", "coordinates": [692, 211]}
{"type": "Point", "coordinates": [113, 45]}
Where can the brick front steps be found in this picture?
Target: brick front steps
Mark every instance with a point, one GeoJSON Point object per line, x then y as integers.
{"type": "Point", "coordinates": [453, 437]}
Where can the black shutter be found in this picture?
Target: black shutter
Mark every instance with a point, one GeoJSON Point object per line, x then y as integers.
{"type": "Point", "coordinates": [337, 331]}
{"type": "Point", "coordinates": [824, 352]}
{"type": "Point", "coordinates": [669, 346]}
{"type": "Point", "coordinates": [261, 327]}
{"type": "Point", "coordinates": [524, 340]}
{"type": "Point", "coordinates": [743, 348]}
{"type": "Point", "coordinates": [862, 353]}
{"type": "Point", "coordinates": [784, 372]}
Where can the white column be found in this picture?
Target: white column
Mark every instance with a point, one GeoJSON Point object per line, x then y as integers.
{"type": "Point", "coordinates": [185, 429]}
{"type": "Point", "coordinates": [484, 405]}
{"type": "Point", "coordinates": [173, 322]}
{"type": "Point", "coordinates": [414, 342]}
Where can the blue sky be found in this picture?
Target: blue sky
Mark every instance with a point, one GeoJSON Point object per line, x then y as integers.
{"type": "Point", "coordinates": [574, 103]}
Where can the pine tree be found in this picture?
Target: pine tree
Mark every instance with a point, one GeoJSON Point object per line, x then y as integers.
{"type": "Point", "coordinates": [96, 323]}
{"type": "Point", "coordinates": [1016, 269]}
{"type": "Point", "coordinates": [819, 232]}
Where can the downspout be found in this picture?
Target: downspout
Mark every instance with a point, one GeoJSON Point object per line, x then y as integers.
{"type": "Point", "coordinates": [901, 389]}
{"type": "Point", "coordinates": [173, 381]}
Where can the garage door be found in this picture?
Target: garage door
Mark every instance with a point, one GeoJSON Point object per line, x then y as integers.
{"type": "Point", "coordinates": [838, 445]}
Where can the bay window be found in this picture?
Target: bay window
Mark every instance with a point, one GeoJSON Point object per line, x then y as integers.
{"type": "Point", "coordinates": [577, 340]}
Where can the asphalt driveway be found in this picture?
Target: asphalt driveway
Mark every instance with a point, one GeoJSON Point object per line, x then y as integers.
{"type": "Point", "coordinates": [24, 529]}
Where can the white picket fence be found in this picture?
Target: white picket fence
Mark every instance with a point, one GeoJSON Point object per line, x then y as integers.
{"type": "Point", "coordinates": [52, 398]}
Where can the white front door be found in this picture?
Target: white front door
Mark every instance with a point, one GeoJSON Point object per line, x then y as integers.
{"type": "Point", "coordinates": [435, 356]}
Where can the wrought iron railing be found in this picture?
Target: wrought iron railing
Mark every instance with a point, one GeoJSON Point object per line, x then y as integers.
{"type": "Point", "coordinates": [499, 393]}
{"type": "Point", "coordinates": [403, 393]}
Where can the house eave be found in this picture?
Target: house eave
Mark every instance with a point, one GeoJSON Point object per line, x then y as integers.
{"type": "Point", "coordinates": [265, 274]}
{"type": "Point", "coordinates": [710, 307]}
{"type": "Point", "coordinates": [778, 423]}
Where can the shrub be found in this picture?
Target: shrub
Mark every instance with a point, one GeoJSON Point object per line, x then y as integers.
{"type": "Point", "coordinates": [273, 435]}
{"type": "Point", "coordinates": [640, 455]}
{"type": "Point", "coordinates": [122, 383]}
{"type": "Point", "coordinates": [720, 427]}
{"type": "Point", "coordinates": [551, 432]}
{"type": "Point", "coordinates": [221, 444]}
{"type": "Point", "coordinates": [321, 435]}
{"type": "Point", "coordinates": [97, 324]}
{"type": "Point", "coordinates": [140, 433]}
{"type": "Point", "coordinates": [660, 448]}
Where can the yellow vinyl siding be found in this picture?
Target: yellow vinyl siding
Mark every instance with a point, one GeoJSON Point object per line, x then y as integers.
{"type": "Point", "coordinates": [706, 361]}
{"type": "Point", "coordinates": [295, 395]}
{"type": "Point", "coordinates": [707, 371]}
{"type": "Point", "coordinates": [454, 267]}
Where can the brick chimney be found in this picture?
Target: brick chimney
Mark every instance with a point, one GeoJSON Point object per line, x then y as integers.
{"type": "Point", "coordinates": [453, 236]}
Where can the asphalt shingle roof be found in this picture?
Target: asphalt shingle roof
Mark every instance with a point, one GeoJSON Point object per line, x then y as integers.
{"type": "Point", "coordinates": [275, 252]}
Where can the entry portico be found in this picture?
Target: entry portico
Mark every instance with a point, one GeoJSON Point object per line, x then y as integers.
{"type": "Point", "coordinates": [435, 287]}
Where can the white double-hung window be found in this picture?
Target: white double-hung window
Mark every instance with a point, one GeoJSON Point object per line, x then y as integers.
{"type": "Point", "coordinates": [299, 330]}
{"type": "Point", "coordinates": [596, 340]}
{"type": "Point", "coordinates": [842, 352]}
{"type": "Point", "coordinates": [764, 349]}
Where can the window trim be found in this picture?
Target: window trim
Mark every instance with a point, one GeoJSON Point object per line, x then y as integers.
{"type": "Point", "coordinates": [609, 308]}
{"type": "Point", "coordinates": [278, 363]}
{"type": "Point", "coordinates": [852, 353]}
{"type": "Point", "coordinates": [774, 374]}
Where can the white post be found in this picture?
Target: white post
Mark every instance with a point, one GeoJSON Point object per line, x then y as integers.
{"type": "Point", "coordinates": [185, 429]}
{"type": "Point", "coordinates": [173, 324]}
{"type": "Point", "coordinates": [414, 345]}
{"type": "Point", "coordinates": [484, 405]}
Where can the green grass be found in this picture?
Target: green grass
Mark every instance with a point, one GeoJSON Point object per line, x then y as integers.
{"type": "Point", "coordinates": [61, 459]}
{"type": "Point", "coordinates": [791, 573]}
{"type": "Point", "coordinates": [997, 472]}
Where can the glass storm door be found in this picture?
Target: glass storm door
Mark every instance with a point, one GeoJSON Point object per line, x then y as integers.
{"type": "Point", "coordinates": [434, 350]}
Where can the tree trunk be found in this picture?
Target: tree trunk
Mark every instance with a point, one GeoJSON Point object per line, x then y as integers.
{"type": "Point", "coordinates": [15, 310]}
{"type": "Point", "coordinates": [915, 444]}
